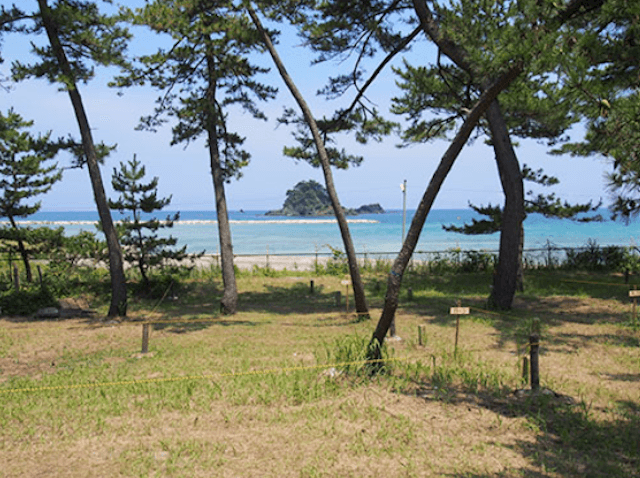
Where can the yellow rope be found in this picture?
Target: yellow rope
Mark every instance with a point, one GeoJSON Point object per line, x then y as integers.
{"type": "Point", "coordinates": [196, 377]}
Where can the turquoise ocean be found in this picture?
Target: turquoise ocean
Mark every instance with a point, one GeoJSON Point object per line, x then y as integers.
{"type": "Point", "coordinates": [255, 233]}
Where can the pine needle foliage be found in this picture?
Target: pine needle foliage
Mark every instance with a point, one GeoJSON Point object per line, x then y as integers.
{"type": "Point", "coordinates": [143, 247]}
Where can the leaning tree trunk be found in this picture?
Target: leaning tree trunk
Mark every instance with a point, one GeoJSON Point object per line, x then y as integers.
{"type": "Point", "coordinates": [397, 270]}
{"type": "Point", "coordinates": [229, 301]}
{"type": "Point", "coordinates": [505, 278]}
{"type": "Point", "coordinates": [354, 270]}
{"type": "Point", "coordinates": [118, 306]}
{"type": "Point", "coordinates": [22, 250]}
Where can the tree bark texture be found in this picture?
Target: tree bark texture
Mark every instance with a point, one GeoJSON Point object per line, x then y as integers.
{"type": "Point", "coordinates": [394, 280]}
{"type": "Point", "coordinates": [118, 306]}
{"type": "Point", "coordinates": [354, 269]}
{"type": "Point", "coordinates": [229, 301]}
{"type": "Point", "coordinates": [505, 278]}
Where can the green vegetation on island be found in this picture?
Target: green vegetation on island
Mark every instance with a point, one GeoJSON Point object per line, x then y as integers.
{"type": "Point", "coordinates": [310, 198]}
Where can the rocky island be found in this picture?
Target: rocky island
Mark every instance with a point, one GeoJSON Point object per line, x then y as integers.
{"type": "Point", "coordinates": [310, 198]}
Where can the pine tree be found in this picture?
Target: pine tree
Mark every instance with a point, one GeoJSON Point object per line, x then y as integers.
{"type": "Point", "coordinates": [204, 73]}
{"type": "Point", "coordinates": [24, 175]}
{"type": "Point", "coordinates": [322, 156]}
{"type": "Point", "coordinates": [79, 35]}
{"type": "Point", "coordinates": [139, 237]}
{"type": "Point", "coordinates": [491, 50]}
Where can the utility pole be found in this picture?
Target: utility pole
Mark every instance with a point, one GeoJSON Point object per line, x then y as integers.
{"type": "Point", "coordinates": [403, 187]}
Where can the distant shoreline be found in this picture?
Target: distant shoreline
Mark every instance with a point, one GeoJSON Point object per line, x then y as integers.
{"type": "Point", "coordinates": [205, 222]}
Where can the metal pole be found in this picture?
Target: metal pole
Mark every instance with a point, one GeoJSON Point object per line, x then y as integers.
{"type": "Point", "coordinates": [404, 207]}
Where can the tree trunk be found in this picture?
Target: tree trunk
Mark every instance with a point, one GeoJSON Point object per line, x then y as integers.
{"type": "Point", "coordinates": [520, 278]}
{"type": "Point", "coordinates": [22, 250]}
{"type": "Point", "coordinates": [394, 280]}
{"type": "Point", "coordinates": [118, 306]}
{"type": "Point", "coordinates": [505, 278]}
{"type": "Point", "coordinates": [229, 302]}
{"type": "Point", "coordinates": [354, 269]}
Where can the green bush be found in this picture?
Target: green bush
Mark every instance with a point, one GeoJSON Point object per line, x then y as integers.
{"type": "Point", "coordinates": [26, 301]}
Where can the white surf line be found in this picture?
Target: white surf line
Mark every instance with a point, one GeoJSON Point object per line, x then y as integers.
{"type": "Point", "coordinates": [205, 222]}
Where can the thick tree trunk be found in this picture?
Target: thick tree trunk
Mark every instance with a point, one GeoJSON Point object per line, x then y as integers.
{"type": "Point", "coordinates": [354, 269]}
{"type": "Point", "coordinates": [23, 251]}
{"type": "Point", "coordinates": [394, 280]}
{"type": "Point", "coordinates": [505, 279]}
{"type": "Point", "coordinates": [229, 301]}
{"type": "Point", "coordinates": [118, 306]}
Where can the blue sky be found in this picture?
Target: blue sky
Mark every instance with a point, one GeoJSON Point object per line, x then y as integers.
{"type": "Point", "coordinates": [184, 173]}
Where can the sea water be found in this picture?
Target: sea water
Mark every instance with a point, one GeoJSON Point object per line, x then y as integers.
{"type": "Point", "coordinates": [375, 234]}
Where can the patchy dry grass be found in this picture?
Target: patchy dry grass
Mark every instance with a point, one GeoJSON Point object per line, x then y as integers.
{"type": "Point", "coordinates": [260, 393]}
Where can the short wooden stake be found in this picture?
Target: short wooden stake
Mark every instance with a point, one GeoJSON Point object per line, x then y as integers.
{"type": "Point", "coordinates": [634, 308]}
{"type": "Point", "coordinates": [311, 287]}
{"type": "Point", "coordinates": [433, 359]}
{"type": "Point", "coordinates": [16, 278]}
{"type": "Point", "coordinates": [421, 335]}
{"type": "Point", "coordinates": [525, 370]}
{"type": "Point", "coordinates": [145, 338]}
{"type": "Point", "coordinates": [534, 349]}
{"type": "Point", "coordinates": [346, 298]}
{"type": "Point", "coordinates": [267, 256]}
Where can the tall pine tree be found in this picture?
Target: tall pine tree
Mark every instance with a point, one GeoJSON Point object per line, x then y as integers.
{"type": "Point", "coordinates": [205, 72]}
{"type": "Point", "coordinates": [79, 35]}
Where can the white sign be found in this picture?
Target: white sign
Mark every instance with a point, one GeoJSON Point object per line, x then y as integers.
{"type": "Point", "coordinates": [634, 293]}
{"type": "Point", "coordinates": [459, 311]}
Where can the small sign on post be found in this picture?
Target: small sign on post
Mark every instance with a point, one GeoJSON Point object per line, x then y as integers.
{"type": "Point", "coordinates": [458, 311]}
{"type": "Point", "coordinates": [634, 294]}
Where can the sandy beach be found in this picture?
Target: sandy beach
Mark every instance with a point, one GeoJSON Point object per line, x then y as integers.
{"type": "Point", "coordinates": [289, 262]}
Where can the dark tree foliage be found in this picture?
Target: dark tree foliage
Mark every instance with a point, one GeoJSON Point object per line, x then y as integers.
{"type": "Point", "coordinates": [307, 198]}
{"type": "Point", "coordinates": [24, 175]}
{"type": "Point", "coordinates": [549, 205]}
{"type": "Point", "coordinates": [606, 85]}
{"type": "Point", "coordinates": [139, 237]}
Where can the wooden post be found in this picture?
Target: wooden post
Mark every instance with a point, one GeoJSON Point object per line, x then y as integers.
{"type": "Point", "coordinates": [422, 338]}
{"type": "Point", "coordinates": [267, 256]}
{"type": "Point", "coordinates": [145, 338]}
{"type": "Point", "coordinates": [458, 311]}
{"type": "Point", "coordinates": [346, 298]}
{"type": "Point", "coordinates": [534, 346]}
{"type": "Point", "coordinates": [525, 370]}
{"type": "Point", "coordinates": [311, 287]}
{"type": "Point", "coordinates": [634, 309]}
{"type": "Point", "coordinates": [455, 348]}
{"type": "Point", "coordinates": [16, 278]}
{"type": "Point", "coordinates": [346, 283]}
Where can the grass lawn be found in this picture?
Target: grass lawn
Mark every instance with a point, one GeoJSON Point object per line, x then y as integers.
{"type": "Point", "coordinates": [278, 390]}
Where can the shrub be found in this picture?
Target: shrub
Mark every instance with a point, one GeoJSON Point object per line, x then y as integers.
{"type": "Point", "coordinates": [26, 301]}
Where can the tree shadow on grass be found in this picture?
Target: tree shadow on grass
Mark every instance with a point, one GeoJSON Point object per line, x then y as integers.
{"type": "Point", "coordinates": [293, 299]}
{"type": "Point", "coordinates": [183, 327]}
{"type": "Point", "coordinates": [568, 440]}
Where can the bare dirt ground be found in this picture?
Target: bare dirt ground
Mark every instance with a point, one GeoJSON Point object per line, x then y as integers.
{"type": "Point", "coordinates": [419, 428]}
